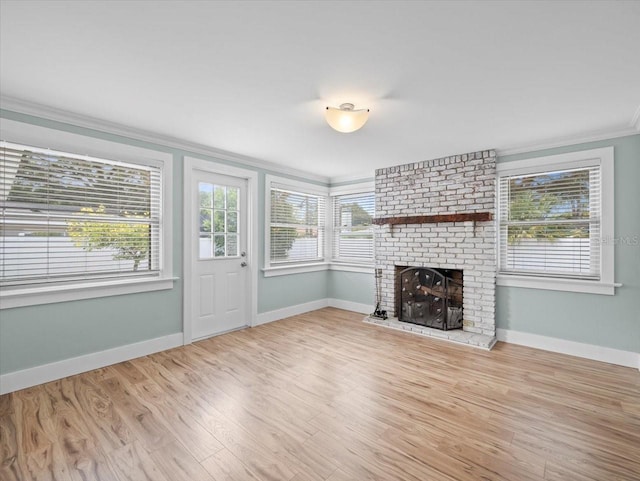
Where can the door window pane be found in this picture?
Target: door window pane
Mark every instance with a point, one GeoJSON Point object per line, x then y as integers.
{"type": "Point", "coordinates": [232, 245]}
{"type": "Point", "coordinates": [219, 197]}
{"type": "Point", "coordinates": [206, 195]}
{"type": "Point", "coordinates": [232, 222]}
{"type": "Point", "coordinates": [219, 246]}
{"type": "Point", "coordinates": [219, 223]}
{"type": "Point", "coordinates": [205, 220]}
{"type": "Point", "coordinates": [206, 246]}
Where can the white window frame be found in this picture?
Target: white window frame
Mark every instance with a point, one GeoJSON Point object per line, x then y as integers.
{"type": "Point", "coordinates": [42, 137]}
{"type": "Point", "coordinates": [270, 269]}
{"type": "Point", "coordinates": [604, 157]}
{"type": "Point", "coordinates": [346, 265]}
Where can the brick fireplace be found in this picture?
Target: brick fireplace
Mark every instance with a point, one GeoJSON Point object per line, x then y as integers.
{"type": "Point", "coordinates": [439, 214]}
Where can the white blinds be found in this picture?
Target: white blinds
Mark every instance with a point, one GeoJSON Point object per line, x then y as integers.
{"type": "Point", "coordinates": [352, 230]}
{"type": "Point", "coordinates": [68, 218]}
{"type": "Point", "coordinates": [297, 226]}
{"type": "Point", "coordinates": [550, 223]}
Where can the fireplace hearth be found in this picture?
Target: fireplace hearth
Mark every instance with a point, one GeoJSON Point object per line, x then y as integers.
{"type": "Point", "coordinates": [430, 297]}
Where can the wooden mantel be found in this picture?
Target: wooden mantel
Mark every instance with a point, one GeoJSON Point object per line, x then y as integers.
{"type": "Point", "coordinates": [432, 219]}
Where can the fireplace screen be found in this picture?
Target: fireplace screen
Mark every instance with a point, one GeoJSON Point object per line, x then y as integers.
{"type": "Point", "coordinates": [430, 297]}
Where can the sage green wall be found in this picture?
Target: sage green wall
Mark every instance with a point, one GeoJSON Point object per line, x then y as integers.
{"type": "Point", "coordinates": [609, 321]}
{"type": "Point", "coordinates": [352, 286]}
{"type": "Point", "coordinates": [283, 291]}
{"type": "Point", "coordinates": [37, 335]}
{"type": "Point", "coordinates": [32, 336]}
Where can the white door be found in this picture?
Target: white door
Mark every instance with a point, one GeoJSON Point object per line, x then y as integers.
{"type": "Point", "coordinates": [220, 283]}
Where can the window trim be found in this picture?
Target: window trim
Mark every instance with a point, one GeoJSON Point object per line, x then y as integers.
{"type": "Point", "coordinates": [603, 157]}
{"type": "Point", "coordinates": [341, 264]}
{"type": "Point", "coordinates": [43, 137]}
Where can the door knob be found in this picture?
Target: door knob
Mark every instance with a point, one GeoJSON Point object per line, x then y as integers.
{"type": "Point", "coordinates": [243, 264]}
{"type": "Point", "coordinates": [243, 253]}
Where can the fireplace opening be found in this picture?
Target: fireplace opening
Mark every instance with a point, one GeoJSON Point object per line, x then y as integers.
{"type": "Point", "coordinates": [429, 297]}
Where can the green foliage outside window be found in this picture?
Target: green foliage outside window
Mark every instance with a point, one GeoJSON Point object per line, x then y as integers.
{"type": "Point", "coordinates": [547, 209]}
{"type": "Point", "coordinates": [130, 240]}
{"type": "Point", "coordinates": [359, 217]}
{"type": "Point", "coordinates": [282, 212]}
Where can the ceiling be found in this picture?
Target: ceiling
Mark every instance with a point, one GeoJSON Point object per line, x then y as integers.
{"type": "Point", "coordinates": [254, 78]}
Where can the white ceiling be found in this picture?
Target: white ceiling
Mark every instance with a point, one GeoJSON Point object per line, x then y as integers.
{"type": "Point", "coordinates": [254, 78]}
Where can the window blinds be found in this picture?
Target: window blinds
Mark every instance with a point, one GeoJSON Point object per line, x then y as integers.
{"type": "Point", "coordinates": [68, 218]}
{"type": "Point", "coordinates": [550, 223]}
{"type": "Point", "coordinates": [353, 231]}
{"type": "Point", "coordinates": [297, 226]}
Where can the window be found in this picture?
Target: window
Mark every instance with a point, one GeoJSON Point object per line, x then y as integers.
{"type": "Point", "coordinates": [352, 227]}
{"type": "Point", "coordinates": [296, 223]}
{"type": "Point", "coordinates": [66, 218]}
{"type": "Point", "coordinates": [219, 212]}
{"type": "Point", "coordinates": [77, 226]}
{"type": "Point", "coordinates": [552, 221]}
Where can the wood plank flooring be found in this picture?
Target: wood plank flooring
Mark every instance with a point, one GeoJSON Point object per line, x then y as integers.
{"type": "Point", "coordinates": [326, 397]}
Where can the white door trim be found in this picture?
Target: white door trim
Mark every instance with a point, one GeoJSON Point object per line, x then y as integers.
{"type": "Point", "coordinates": [191, 164]}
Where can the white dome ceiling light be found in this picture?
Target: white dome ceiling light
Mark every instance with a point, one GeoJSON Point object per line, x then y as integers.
{"type": "Point", "coordinates": [345, 119]}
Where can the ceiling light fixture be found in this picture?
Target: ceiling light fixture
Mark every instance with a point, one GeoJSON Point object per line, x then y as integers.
{"type": "Point", "coordinates": [345, 119]}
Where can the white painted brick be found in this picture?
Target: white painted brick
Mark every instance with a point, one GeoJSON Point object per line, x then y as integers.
{"type": "Point", "coordinates": [453, 184]}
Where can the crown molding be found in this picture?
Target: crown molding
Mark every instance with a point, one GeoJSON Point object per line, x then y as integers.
{"type": "Point", "coordinates": [351, 179]}
{"type": "Point", "coordinates": [78, 120]}
{"type": "Point", "coordinates": [352, 188]}
{"type": "Point", "coordinates": [566, 141]}
{"type": "Point", "coordinates": [635, 120]}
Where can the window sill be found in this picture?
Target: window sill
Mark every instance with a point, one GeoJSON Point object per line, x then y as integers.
{"type": "Point", "coordinates": [351, 267]}
{"type": "Point", "coordinates": [295, 269]}
{"type": "Point", "coordinates": [316, 267]}
{"type": "Point", "coordinates": [32, 296]}
{"type": "Point", "coordinates": [556, 284]}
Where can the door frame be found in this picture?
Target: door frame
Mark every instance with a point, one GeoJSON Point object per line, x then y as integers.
{"type": "Point", "coordinates": [192, 164]}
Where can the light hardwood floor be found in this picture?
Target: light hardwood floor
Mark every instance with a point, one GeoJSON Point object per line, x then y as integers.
{"type": "Point", "coordinates": [324, 396]}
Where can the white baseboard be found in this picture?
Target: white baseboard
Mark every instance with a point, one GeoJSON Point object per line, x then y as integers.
{"type": "Point", "coordinates": [14, 381]}
{"type": "Point", "coordinates": [351, 306]}
{"type": "Point", "coordinates": [587, 351]}
{"type": "Point", "coordinates": [276, 315]}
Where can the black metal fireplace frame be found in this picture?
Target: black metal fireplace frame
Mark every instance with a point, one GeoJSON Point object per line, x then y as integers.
{"type": "Point", "coordinates": [431, 295]}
